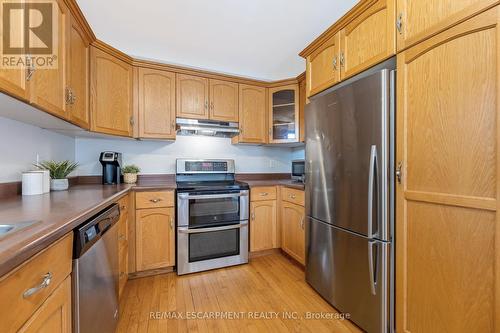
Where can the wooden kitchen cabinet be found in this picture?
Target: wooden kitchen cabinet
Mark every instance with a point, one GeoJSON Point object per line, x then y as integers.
{"type": "Point", "coordinates": [447, 272]}
{"type": "Point", "coordinates": [110, 94]}
{"type": "Point", "coordinates": [368, 39]}
{"type": "Point", "coordinates": [48, 85]}
{"type": "Point", "coordinates": [54, 315]}
{"type": "Point", "coordinates": [252, 114]}
{"type": "Point", "coordinates": [323, 66]}
{"type": "Point", "coordinates": [77, 90]}
{"type": "Point", "coordinates": [192, 97]}
{"type": "Point", "coordinates": [263, 225]}
{"type": "Point", "coordinates": [284, 114]}
{"type": "Point", "coordinates": [293, 230]}
{"type": "Point", "coordinates": [156, 97]}
{"type": "Point", "coordinates": [302, 109]}
{"type": "Point", "coordinates": [422, 19]}
{"type": "Point", "coordinates": [223, 100]}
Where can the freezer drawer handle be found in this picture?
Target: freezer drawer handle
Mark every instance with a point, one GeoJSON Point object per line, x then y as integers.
{"type": "Point", "coordinates": [371, 268]}
{"type": "Point", "coordinates": [371, 180]}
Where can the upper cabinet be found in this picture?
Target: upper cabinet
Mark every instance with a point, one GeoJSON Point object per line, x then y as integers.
{"type": "Point", "coordinates": [323, 66]}
{"type": "Point", "coordinates": [111, 94]}
{"type": "Point", "coordinates": [77, 90]}
{"type": "Point", "coordinates": [417, 20]}
{"type": "Point", "coordinates": [252, 114]}
{"type": "Point", "coordinates": [192, 97]}
{"type": "Point", "coordinates": [156, 101]}
{"type": "Point", "coordinates": [368, 39]}
{"type": "Point", "coordinates": [302, 109]}
{"type": "Point", "coordinates": [284, 114]}
{"type": "Point", "coordinates": [223, 100]}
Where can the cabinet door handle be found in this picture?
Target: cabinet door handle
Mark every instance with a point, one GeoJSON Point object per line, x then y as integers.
{"type": "Point", "coordinates": [30, 70]}
{"type": "Point", "coordinates": [47, 278]}
{"type": "Point", "coordinates": [335, 63]}
{"type": "Point", "coordinates": [122, 237]}
{"type": "Point", "coordinates": [342, 59]}
{"type": "Point", "coordinates": [132, 122]}
{"type": "Point", "coordinates": [171, 223]}
{"type": "Point", "coordinates": [69, 97]}
{"type": "Point", "coordinates": [155, 200]}
{"type": "Point", "coordinates": [206, 104]}
{"type": "Point", "coordinates": [292, 196]}
{"type": "Point", "coordinates": [399, 23]}
{"type": "Point", "coordinates": [173, 124]}
{"type": "Point", "coordinates": [302, 222]}
{"type": "Point", "coordinates": [263, 194]}
{"type": "Point", "coordinates": [212, 105]}
{"type": "Point", "coordinates": [253, 216]}
{"type": "Point", "coordinates": [399, 172]}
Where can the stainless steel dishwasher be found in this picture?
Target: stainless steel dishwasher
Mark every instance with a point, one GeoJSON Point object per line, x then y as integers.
{"type": "Point", "coordinates": [95, 273]}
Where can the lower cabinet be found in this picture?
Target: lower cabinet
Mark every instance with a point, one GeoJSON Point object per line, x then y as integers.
{"type": "Point", "coordinates": [54, 315]}
{"type": "Point", "coordinates": [293, 231]}
{"type": "Point", "coordinates": [155, 234]}
{"type": "Point", "coordinates": [263, 225]}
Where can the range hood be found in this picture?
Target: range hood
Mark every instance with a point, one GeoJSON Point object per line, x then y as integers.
{"type": "Point", "coordinates": [219, 129]}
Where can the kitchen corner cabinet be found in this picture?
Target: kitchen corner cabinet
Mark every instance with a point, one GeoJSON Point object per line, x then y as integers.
{"type": "Point", "coordinates": [110, 94]}
{"type": "Point", "coordinates": [263, 225]}
{"type": "Point", "coordinates": [77, 90]}
{"type": "Point", "coordinates": [284, 114]}
{"type": "Point", "coordinates": [155, 230]}
{"type": "Point", "coordinates": [292, 225]}
{"type": "Point", "coordinates": [252, 114]}
{"type": "Point", "coordinates": [418, 20]}
{"type": "Point", "coordinates": [369, 38]}
{"type": "Point", "coordinates": [192, 97]}
{"type": "Point", "coordinates": [447, 223]}
{"type": "Point", "coordinates": [48, 85]}
{"type": "Point", "coordinates": [156, 98]}
{"type": "Point", "coordinates": [323, 66]}
{"type": "Point", "coordinates": [223, 100]}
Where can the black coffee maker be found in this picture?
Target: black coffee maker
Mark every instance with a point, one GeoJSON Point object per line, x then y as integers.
{"type": "Point", "coordinates": [111, 167]}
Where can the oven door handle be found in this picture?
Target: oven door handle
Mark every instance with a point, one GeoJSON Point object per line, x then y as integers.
{"type": "Point", "coordinates": [185, 196]}
{"type": "Point", "coordinates": [184, 230]}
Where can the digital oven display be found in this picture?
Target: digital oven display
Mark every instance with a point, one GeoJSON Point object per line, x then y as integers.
{"type": "Point", "coordinates": [206, 166]}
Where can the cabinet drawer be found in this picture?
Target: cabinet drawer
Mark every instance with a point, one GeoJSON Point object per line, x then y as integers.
{"type": "Point", "coordinates": [263, 193]}
{"type": "Point", "coordinates": [16, 304]}
{"type": "Point", "coordinates": [292, 195]}
{"type": "Point", "coordinates": [154, 199]}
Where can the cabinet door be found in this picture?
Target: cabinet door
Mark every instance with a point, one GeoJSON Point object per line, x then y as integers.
{"type": "Point", "coordinates": [253, 115]}
{"type": "Point", "coordinates": [368, 39]}
{"type": "Point", "coordinates": [447, 203]}
{"type": "Point", "coordinates": [284, 114]}
{"type": "Point", "coordinates": [156, 104]}
{"type": "Point", "coordinates": [422, 19]}
{"type": "Point", "coordinates": [323, 66]}
{"type": "Point", "coordinates": [155, 238]}
{"type": "Point", "coordinates": [54, 315]}
{"type": "Point", "coordinates": [78, 76]}
{"type": "Point", "coordinates": [263, 225]}
{"type": "Point", "coordinates": [192, 97]}
{"type": "Point", "coordinates": [223, 100]}
{"type": "Point", "coordinates": [110, 94]}
{"type": "Point", "coordinates": [293, 234]}
{"type": "Point", "coordinates": [48, 85]}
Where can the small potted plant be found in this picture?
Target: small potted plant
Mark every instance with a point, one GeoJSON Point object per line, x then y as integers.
{"type": "Point", "coordinates": [130, 173]}
{"type": "Point", "coordinates": [59, 171]}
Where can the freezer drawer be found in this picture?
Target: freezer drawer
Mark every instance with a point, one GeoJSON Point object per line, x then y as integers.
{"type": "Point", "coordinates": [350, 272]}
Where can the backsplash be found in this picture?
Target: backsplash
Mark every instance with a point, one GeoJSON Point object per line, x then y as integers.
{"type": "Point", "coordinates": [156, 157]}
{"type": "Point", "coordinates": [20, 143]}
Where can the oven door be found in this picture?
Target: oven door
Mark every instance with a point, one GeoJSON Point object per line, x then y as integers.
{"type": "Point", "coordinates": [212, 209]}
{"type": "Point", "coordinates": [202, 249]}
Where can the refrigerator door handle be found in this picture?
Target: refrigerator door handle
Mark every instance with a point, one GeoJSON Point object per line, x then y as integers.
{"type": "Point", "coordinates": [371, 267]}
{"type": "Point", "coordinates": [371, 179]}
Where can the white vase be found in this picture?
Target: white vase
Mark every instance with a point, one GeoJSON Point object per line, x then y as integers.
{"type": "Point", "coordinates": [59, 184]}
{"type": "Point", "coordinates": [130, 178]}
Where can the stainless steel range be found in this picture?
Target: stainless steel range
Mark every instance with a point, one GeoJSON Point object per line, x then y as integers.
{"type": "Point", "coordinates": [212, 216]}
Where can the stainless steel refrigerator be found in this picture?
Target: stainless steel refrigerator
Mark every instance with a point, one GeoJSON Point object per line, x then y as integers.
{"type": "Point", "coordinates": [350, 196]}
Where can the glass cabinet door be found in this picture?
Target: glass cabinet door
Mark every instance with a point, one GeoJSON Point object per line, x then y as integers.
{"type": "Point", "coordinates": [284, 111]}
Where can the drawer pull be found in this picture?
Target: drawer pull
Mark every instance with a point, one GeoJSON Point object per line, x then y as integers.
{"type": "Point", "coordinates": [263, 194]}
{"type": "Point", "coordinates": [121, 237]}
{"type": "Point", "coordinates": [155, 200]}
{"type": "Point", "coordinates": [122, 274]}
{"type": "Point", "coordinates": [292, 196]}
{"type": "Point", "coordinates": [47, 278]}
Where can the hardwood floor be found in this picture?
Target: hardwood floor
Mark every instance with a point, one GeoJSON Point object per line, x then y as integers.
{"type": "Point", "coordinates": [261, 293]}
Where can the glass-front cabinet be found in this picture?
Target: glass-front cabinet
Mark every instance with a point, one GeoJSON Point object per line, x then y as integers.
{"type": "Point", "coordinates": [284, 114]}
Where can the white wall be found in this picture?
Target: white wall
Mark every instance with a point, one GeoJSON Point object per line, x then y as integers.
{"type": "Point", "coordinates": [159, 157]}
{"type": "Point", "coordinates": [20, 143]}
{"type": "Point", "coordinates": [298, 153]}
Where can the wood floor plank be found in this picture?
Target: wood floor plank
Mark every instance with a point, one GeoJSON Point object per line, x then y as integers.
{"type": "Point", "coordinates": [269, 286]}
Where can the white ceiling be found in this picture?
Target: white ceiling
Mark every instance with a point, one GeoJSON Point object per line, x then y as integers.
{"type": "Point", "coordinates": [253, 38]}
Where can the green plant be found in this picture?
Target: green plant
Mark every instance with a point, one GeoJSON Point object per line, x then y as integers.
{"type": "Point", "coordinates": [58, 170]}
{"type": "Point", "coordinates": [131, 169]}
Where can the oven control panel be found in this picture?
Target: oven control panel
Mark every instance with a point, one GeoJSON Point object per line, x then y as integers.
{"type": "Point", "coordinates": [205, 166]}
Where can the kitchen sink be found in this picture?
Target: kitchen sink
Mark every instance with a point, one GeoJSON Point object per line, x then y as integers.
{"type": "Point", "coordinates": [9, 228]}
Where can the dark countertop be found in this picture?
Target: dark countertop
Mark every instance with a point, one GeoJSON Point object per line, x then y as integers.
{"type": "Point", "coordinates": [274, 182]}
